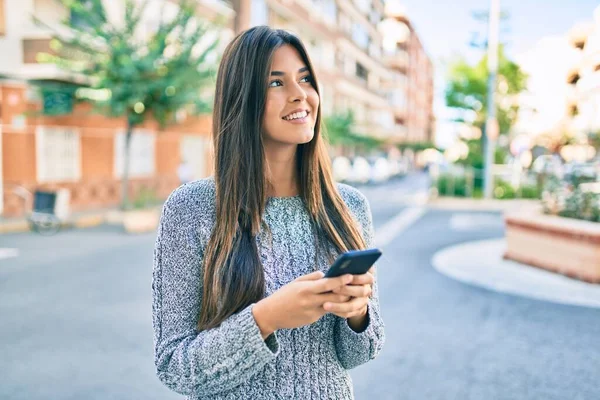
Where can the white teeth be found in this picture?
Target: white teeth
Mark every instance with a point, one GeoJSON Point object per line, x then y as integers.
{"type": "Point", "coordinates": [297, 115]}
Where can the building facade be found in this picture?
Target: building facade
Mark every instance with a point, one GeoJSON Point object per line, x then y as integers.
{"type": "Point", "coordinates": [413, 87]}
{"type": "Point", "coordinates": [81, 151]}
{"type": "Point", "coordinates": [584, 76]}
{"type": "Point", "coordinates": [389, 89]}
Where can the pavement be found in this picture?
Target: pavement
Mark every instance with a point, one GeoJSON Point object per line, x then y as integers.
{"type": "Point", "coordinates": [76, 316]}
{"type": "Point", "coordinates": [481, 263]}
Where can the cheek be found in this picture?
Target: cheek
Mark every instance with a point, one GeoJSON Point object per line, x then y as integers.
{"type": "Point", "coordinates": [313, 100]}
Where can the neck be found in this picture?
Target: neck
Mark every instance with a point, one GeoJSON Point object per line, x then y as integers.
{"type": "Point", "coordinates": [281, 164]}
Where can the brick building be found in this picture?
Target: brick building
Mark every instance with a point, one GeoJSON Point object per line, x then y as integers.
{"type": "Point", "coordinates": [389, 90]}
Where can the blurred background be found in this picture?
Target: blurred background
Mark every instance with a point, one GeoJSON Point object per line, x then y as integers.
{"type": "Point", "coordinates": [473, 128]}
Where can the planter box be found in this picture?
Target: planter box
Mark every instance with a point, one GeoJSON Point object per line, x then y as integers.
{"type": "Point", "coordinates": [567, 246]}
{"type": "Point", "coordinates": [141, 221]}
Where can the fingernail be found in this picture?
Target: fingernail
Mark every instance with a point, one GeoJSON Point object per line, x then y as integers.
{"type": "Point", "coordinates": [326, 306]}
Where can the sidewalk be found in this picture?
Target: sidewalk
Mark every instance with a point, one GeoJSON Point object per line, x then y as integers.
{"type": "Point", "coordinates": [480, 263]}
{"type": "Point", "coordinates": [457, 203]}
{"type": "Point", "coordinates": [86, 219]}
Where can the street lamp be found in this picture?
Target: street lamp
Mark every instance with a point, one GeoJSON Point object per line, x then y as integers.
{"type": "Point", "coordinates": [491, 125]}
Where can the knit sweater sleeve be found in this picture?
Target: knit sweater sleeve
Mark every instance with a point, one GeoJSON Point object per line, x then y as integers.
{"type": "Point", "coordinates": [188, 361]}
{"type": "Point", "coordinates": [356, 348]}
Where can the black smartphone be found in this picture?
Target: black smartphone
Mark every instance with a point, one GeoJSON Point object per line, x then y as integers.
{"type": "Point", "coordinates": [355, 262]}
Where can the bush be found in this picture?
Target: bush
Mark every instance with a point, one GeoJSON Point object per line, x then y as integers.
{"type": "Point", "coordinates": [146, 197]}
{"type": "Point", "coordinates": [566, 200]}
{"type": "Point", "coordinates": [452, 185]}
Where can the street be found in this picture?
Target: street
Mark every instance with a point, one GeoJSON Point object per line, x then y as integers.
{"type": "Point", "coordinates": [76, 319]}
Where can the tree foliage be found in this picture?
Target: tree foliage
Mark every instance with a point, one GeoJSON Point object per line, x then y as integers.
{"type": "Point", "coordinates": [340, 131]}
{"type": "Point", "coordinates": [130, 72]}
{"type": "Point", "coordinates": [467, 89]}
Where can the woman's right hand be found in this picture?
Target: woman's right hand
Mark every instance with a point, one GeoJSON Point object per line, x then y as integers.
{"type": "Point", "coordinates": [298, 303]}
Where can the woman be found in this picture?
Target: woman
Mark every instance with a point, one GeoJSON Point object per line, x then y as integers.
{"type": "Point", "coordinates": [241, 309]}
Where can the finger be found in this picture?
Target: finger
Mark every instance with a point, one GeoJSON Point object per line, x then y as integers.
{"type": "Point", "coordinates": [333, 298]}
{"type": "Point", "coordinates": [354, 290]}
{"type": "Point", "coordinates": [311, 277]}
{"type": "Point", "coordinates": [328, 284]}
{"type": "Point", "coordinates": [364, 279]}
{"type": "Point", "coordinates": [362, 311]}
{"type": "Point", "coordinates": [353, 305]}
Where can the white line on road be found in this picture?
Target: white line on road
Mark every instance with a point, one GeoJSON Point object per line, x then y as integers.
{"type": "Point", "coordinates": [8, 253]}
{"type": "Point", "coordinates": [399, 223]}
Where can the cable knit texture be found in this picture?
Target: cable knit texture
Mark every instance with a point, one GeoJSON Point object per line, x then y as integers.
{"type": "Point", "coordinates": [232, 361]}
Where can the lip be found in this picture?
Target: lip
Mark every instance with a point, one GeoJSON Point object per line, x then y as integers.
{"type": "Point", "coordinates": [295, 111]}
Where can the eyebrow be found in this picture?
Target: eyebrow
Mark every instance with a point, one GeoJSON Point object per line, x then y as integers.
{"type": "Point", "coordinates": [279, 73]}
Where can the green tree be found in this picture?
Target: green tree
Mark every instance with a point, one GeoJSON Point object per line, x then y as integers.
{"type": "Point", "coordinates": [133, 76]}
{"type": "Point", "coordinates": [467, 90]}
{"type": "Point", "coordinates": [339, 130]}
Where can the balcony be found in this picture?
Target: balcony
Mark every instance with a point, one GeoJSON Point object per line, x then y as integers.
{"type": "Point", "coordinates": [398, 60]}
{"type": "Point", "coordinates": [32, 47]}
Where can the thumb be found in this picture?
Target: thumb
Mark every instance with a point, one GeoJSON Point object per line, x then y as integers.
{"type": "Point", "coordinates": [311, 277]}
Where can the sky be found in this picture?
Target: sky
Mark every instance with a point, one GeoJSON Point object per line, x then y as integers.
{"type": "Point", "coordinates": [446, 27]}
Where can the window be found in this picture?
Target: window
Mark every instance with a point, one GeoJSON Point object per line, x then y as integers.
{"type": "Point", "coordinates": [330, 11]}
{"type": "Point", "coordinates": [194, 152]}
{"type": "Point", "coordinates": [361, 71]}
{"type": "Point", "coordinates": [260, 13]}
{"type": "Point", "coordinates": [2, 18]}
{"type": "Point", "coordinates": [360, 36]}
{"type": "Point", "coordinates": [327, 55]}
{"type": "Point", "coordinates": [363, 5]}
{"type": "Point", "coordinates": [141, 154]}
{"type": "Point", "coordinates": [58, 154]}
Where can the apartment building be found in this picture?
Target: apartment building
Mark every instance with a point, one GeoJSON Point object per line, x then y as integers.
{"type": "Point", "coordinates": [388, 87]}
{"type": "Point", "coordinates": [346, 47]}
{"type": "Point", "coordinates": [413, 86]}
{"type": "Point", "coordinates": [584, 76]}
{"type": "Point", "coordinates": [82, 152]}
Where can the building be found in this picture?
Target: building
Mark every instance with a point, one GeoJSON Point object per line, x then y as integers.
{"type": "Point", "coordinates": [389, 89]}
{"type": "Point", "coordinates": [414, 77]}
{"type": "Point", "coordinates": [81, 152]}
{"type": "Point", "coordinates": [346, 47]}
{"type": "Point", "coordinates": [584, 76]}
{"type": "Point", "coordinates": [544, 107]}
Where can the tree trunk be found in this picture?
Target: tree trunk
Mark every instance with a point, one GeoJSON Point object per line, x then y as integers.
{"type": "Point", "coordinates": [125, 177]}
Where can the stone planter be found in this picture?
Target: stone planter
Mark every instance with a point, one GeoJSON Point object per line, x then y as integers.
{"type": "Point", "coordinates": [141, 221]}
{"type": "Point", "coordinates": [567, 246]}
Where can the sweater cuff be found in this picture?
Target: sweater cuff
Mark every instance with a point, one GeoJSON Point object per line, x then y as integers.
{"type": "Point", "coordinates": [269, 347]}
{"type": "Point", "coordinates": [367, 328]}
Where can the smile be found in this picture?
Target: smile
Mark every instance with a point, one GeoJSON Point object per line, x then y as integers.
{"type": "Point", "coordinates": [300, 117]}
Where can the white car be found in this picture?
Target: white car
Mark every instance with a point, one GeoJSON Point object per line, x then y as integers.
{"type": "Point", "coordinates": [381, 171]}
{"type": "Point", "coordinates": [342, 168]}
{"type": "Point", "coordinates": [361, 171]}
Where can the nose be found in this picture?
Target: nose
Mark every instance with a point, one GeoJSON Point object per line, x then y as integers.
{"type": "Point", "coordinates": [297, 93]}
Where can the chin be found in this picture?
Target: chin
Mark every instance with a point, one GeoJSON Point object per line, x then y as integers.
{"type": "Point", "coordinates": [306, 138]}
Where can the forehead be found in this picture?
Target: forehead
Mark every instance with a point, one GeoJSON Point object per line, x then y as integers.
{"type": "Point", "coordinates": [287, 58]}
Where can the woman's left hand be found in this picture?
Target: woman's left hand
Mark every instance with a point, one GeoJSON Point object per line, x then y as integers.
{"type": "Point", "coordinates": [359, 290]}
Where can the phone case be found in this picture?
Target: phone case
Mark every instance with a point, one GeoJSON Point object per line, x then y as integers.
{"type": "Point", "coordinates": [355, 262]}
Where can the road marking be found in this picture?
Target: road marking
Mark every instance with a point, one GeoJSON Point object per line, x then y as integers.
{"type": "Point", "coordinates": [8, 253]}
{"type": "Point", "coordinates": [475, 221]}
{"type": "Point", "coordinates": [399, 223]}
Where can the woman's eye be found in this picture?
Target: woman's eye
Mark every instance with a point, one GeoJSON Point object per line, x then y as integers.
{"type": "Point", "coordinates": [307, 78]}
{"type": "Point", "coordinates": [274, 83]}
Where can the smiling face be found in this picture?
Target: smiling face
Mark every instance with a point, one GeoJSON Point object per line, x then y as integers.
{"type": "Point", "coordinates": [292, 102]}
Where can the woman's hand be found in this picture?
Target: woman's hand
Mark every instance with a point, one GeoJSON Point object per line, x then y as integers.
{"type": "Point", "coordinates": [299, 303]}
{"type": "Point", "coordinates": [359, 290]}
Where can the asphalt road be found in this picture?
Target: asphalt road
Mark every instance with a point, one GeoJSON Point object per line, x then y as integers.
{"type": "Point", "coordinates": [76, 320]}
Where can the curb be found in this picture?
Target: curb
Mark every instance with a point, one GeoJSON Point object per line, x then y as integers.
{"type": "Point", "coordinates": [481, 263]}
{"type": "Point", "coordinates": [91, 220]}
{"type": "Point", "coordinates": [453, 203]}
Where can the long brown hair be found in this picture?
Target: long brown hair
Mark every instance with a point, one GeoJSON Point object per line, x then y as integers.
{"type": "Point", "coordinates": [233, 273]}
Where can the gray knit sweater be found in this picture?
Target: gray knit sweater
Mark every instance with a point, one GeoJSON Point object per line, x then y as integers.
{"type": "Point", "coordinates": [232, 361]}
